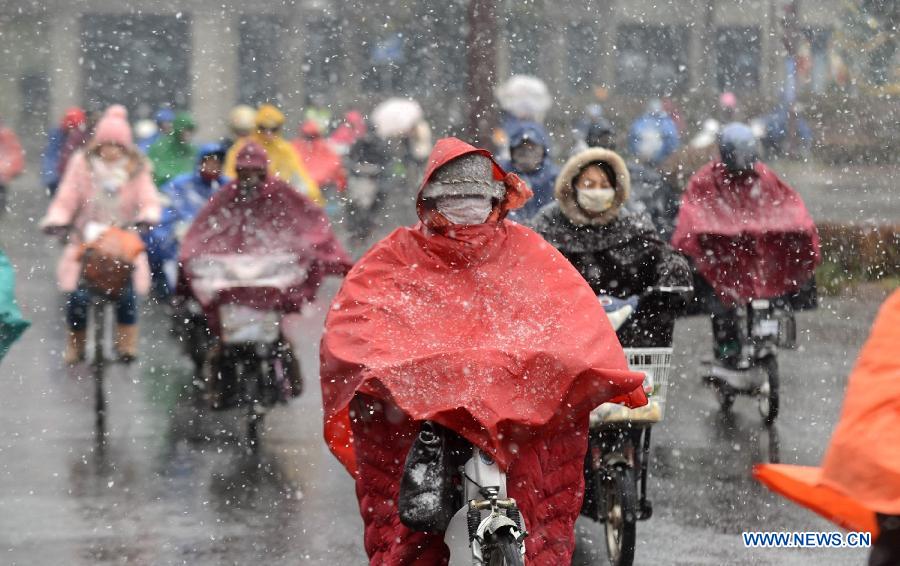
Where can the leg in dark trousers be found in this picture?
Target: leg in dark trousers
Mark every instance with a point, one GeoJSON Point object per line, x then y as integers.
{"type": "Point", "coordinates": [726, 336]}
{"type": "Point", "coordinates": [77, 306]}
{"type": "Point", "coordinates": [886, 549]}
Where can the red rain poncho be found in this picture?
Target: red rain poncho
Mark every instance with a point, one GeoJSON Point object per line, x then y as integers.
{"type": "Point", "coordinates": [488, 331]}
{"type": "Point", "coordinates": [860, 475]}
{"type": "Point", "coordinates": [274, 218]}
{"type": "Point", "coordinates": [749, 235]}
{"type": "Point", "coordinates": [321, 161]}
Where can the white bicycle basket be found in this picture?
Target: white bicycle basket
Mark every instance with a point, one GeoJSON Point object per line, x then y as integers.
{"type": "Point", "coordinates": [655, 363]}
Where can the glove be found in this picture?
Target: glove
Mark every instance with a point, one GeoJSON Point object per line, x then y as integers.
{"type": "Point", "coordinates": [618, 310]}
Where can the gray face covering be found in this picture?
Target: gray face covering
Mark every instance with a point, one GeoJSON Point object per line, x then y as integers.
{"type": "Point", "coordinates": [465, 211]}
{"type": "Point", "coordinates": [464, 189]}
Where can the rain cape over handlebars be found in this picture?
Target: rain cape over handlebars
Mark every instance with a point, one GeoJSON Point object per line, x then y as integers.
{"type": "Point", "coordinates": [215, 273]}
{"type": "Point", "coordinates": [273, 221]}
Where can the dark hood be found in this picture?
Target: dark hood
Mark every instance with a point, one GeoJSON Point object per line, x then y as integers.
{"type": "Point", "coordinates": [529, 131]}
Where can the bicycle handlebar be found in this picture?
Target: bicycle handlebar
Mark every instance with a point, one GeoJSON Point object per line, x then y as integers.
{"type": "Point", "coordinates": [668, 290]}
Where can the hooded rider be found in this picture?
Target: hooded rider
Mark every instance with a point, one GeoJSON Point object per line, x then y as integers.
{"type": "Point", "coordinates": [441, 322]}
{"type": "Point", "coordinates": [618, 252]}
{"type": "Point", "coordinates": [109, 183]}
{"type": "Point", "coordinates": [650, 193]}
{"type": "Point", "coordinates": [183, 196]}
{"type": "Point", "coordinates": [284, 163]}
{"type": "Point", "coordinates": [254, 215]}
{"type": "Point", "coordinates": [749, 235]}
{"type": "Point", "coordinates": [241, 123]}
{"type": "Point", "coordinates": [529, 150]}
{"type": "Point", "coordinates": [173, 153]}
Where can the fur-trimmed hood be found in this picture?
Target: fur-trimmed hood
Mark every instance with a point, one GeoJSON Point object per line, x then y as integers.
{"type": "Point", "coordinates": [565, 192]}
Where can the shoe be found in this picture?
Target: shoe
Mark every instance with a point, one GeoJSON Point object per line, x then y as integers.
{"type": "Point", "coordinates": [126, 342]}
{"type": "Point", "coordinates": [76, 342]}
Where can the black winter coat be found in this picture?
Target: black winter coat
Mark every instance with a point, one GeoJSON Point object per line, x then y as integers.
{"type": "Point", "coordinates": [622, 258]}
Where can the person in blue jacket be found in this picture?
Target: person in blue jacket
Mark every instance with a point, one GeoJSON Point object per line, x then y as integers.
{"type": "Point", "coordinates": [183, 197]}
{"type": "Point", "coordinates": [56, 138]}
{"type": "Point", "coordinates": [529, 150]}
{"type": "Point", "coordinates": [165, 122]}
{"type": "Point", "coordinates": [653, 137]}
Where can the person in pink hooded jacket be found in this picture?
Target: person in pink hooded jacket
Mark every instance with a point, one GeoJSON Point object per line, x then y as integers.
{"type": "Point", "coordinates": [107, 183]}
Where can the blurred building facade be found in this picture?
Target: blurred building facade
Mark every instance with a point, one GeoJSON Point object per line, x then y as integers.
{"type": "Point", "coordinates": [207, 55]}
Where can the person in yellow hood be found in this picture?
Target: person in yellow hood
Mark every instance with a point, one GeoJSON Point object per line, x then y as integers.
{"type": "Point", "coordinates": [284, 162]}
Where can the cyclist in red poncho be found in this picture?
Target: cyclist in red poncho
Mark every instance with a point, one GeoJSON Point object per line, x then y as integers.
{"type": "Point", "coordinates": [473, 322]}
{"type": "Point", "coordinates": [748, 234]}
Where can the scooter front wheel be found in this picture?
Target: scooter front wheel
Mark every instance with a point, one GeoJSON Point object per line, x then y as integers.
{"type": "Point", "coordinates": [505, 551]}
{"type": "Point", "coordinates": [769, 399]}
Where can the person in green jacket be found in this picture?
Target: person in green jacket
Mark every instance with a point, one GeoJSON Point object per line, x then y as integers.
{"type": "Point", "coordinates": [174, 154]}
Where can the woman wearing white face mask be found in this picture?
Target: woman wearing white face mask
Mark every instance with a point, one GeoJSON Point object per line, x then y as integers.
{"type": "Point", "coordinates": [618, 252]}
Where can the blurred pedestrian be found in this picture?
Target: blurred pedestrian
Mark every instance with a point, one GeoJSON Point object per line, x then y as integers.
{"type": "Point", "coordinates": [522, 98]}
{"type": "Point", "coordinates": [145, 132]}
{"type": "Point", "coordinates": [352, 128]}
{"type": "Point", "coordinates": [653, 137]}
{"type": "Point", "coordinates": [12, 161]}
{"type": "Point", "coordinates": [107, 184]}
{"type": "Point", "coordinates": [173, 153]}
{"type": "Point", "coordinates": [183, 196]}
{"type": "Point", "coordinates": [284, 163]}
{"type": "Point", "coordinates": [50, 174]}
{"type": "Point", "coordinates": [529, 150]}
{"type": "Point", "coordinates": [241, 123]}
{"type": "Point", "coordinates": [164, 118]}
{"type": "Point", "coordinates": [728, 107]}
{"type": "Point", "coordinates": [12, 324]}
{"type": "Point", "coordinates": [320, 160]}
{"type": "Point", "coordinates": [77, 139]}
{"type": "Point", "coordinates": [748, 233]}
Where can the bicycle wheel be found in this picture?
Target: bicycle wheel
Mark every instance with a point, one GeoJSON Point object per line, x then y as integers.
{"type": "Point", "coordinates": [98, 367]}
{"type": "Point", "coordinates": [620, 498]}
{"type": "Point", "coordinates": [726, 396]}
{"type": "Point", "coordinates": [768, 393]}
{"type": "Point", "coordinates": [251, 377]}
{"type": "Point", "coordinates": [505, 551]}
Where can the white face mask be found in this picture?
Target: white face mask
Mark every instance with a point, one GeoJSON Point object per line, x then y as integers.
{"type": "Point", "coordinates": [110, 175]}
{"type": "Point", "coordinates": [465, 210]}
{"type": "Point", "coordinates": [595, 200]}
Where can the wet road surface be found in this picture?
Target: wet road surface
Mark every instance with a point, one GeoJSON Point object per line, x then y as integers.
{"type": "Point", "coordinates": [175, 487]}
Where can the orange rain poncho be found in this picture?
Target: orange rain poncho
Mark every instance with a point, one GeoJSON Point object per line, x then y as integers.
{"type": "Point", "coordinates": [860, 475]}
